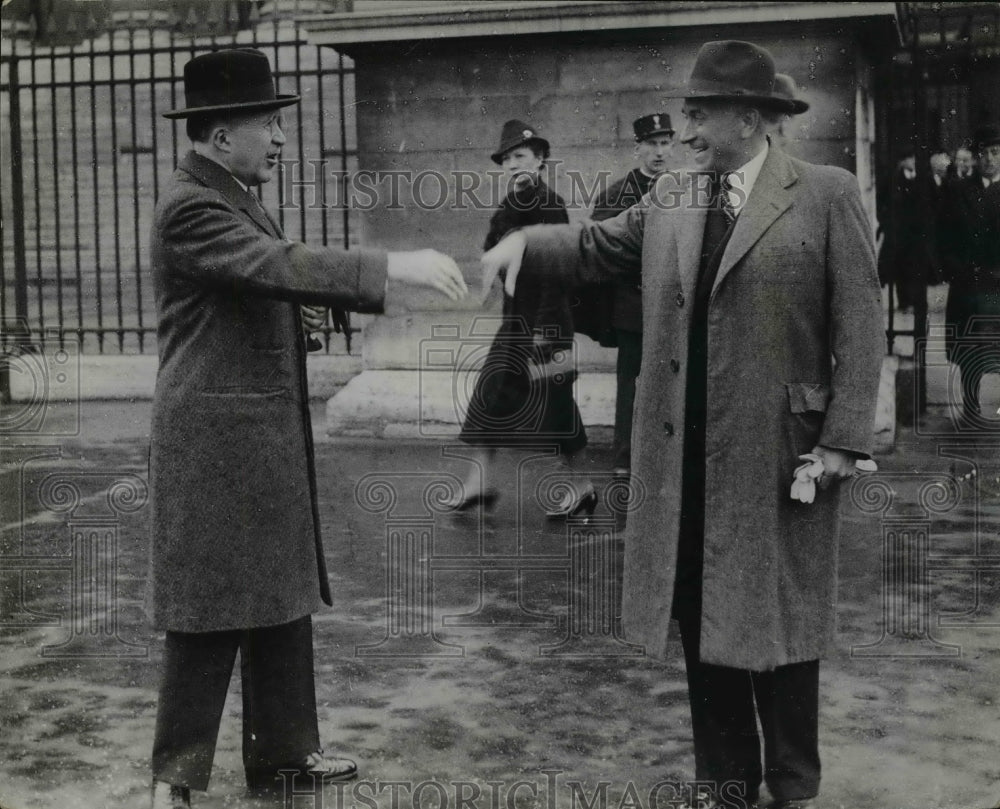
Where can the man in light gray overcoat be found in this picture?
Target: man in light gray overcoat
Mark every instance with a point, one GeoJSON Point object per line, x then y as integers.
{"type": "Point", "coordinates": [762, 343]}
{"type": "Point", "coordinates": [237, 563]}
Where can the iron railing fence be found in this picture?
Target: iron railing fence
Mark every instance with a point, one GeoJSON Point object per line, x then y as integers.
{"type": "Point", "coordinates": [88, 151]}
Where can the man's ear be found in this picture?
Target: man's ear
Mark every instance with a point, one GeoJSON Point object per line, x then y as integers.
{"type": "Point", "coordinates": [220, 139]}
{"type": "Point", "coordinates": [751, 118]}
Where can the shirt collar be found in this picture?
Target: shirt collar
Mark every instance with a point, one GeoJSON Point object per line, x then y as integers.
{"type": "Point", "coordinates": [741, 181]}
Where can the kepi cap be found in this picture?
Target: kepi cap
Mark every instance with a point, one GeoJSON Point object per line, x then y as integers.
{"type": "Point", "coordinates": [649, 125]}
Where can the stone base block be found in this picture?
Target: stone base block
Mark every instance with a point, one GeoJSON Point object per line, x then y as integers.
{"type": "Point", "coordinates": [37, 378]}
{"type": "Point", "coordinates": [431, 404]}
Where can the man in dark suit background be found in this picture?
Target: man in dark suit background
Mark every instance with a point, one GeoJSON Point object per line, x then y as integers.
{"type": "Point", "coordinates": [760, 280]}
{"type": "Point", "coordinates": [654, 143]}
{"type": "Point", "coordinates": [906, 257]}
{"type": "Point", "coordinates": [973, 309]}
{"type": "Point", "coordinates": [237, 563]}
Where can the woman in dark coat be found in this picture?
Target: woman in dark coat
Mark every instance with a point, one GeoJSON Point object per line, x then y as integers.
{"type": "Point", "coordinates": [524, 395]}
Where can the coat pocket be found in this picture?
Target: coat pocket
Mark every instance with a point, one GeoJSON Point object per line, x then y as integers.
{"type": "Point", "coordinates": [805, 397]}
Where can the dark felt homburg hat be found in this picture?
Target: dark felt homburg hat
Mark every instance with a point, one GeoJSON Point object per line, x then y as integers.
{"type": "Point", "coordinates": [734, 70]}
{"type": "Point", "coordinates": [517, 133]}
{"type": "Point", "coordinates": [229, 80]}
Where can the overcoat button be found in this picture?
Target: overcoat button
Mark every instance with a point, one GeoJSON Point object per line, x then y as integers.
{"type": "Point", "coordinates": [675, 366]}
{"type": "Point", "coordinates": [680, 298]}
{"type": "Point", "coordinates": [668, 428]}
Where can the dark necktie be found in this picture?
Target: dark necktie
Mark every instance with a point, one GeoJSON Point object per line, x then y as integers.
{"type": "Point", "coordinates": [725, 201]}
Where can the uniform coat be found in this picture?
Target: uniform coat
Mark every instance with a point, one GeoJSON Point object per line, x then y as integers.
{"type": "Point", "coordinates": [235, 531]}
{"type": "Point", "coordinates": [796, 289]}
{"type": "Point", "coordinates": [627, 313]}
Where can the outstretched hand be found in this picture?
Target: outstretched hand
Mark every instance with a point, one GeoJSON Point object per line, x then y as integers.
{"type": "Point", "coordinates": [313, 317]}
{"type": "Point", "coordinates": [505, 256]}
{"type": "Point", "coordinates": [428, 268]}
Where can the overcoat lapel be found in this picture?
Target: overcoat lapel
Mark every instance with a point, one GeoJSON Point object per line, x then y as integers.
{"type": "Point", "coordinates": [210, 173]}
{"type": "Point", "coordinates": [769, 199]}
{"type": "Point", "coordinates": [689, 235]}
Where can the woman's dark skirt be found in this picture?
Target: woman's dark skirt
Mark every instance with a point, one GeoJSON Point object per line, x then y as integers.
{"type": "Point", "coordinates": [508, 408]}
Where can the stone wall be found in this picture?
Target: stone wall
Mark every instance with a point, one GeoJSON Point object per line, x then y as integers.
{"type": "Point", "coordinates": [438, 105]}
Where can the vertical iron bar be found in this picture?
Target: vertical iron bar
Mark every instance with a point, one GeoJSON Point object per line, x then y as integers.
{"type": "Point", "coordinates": [277, 70]}
{"type": "Point", "coordinates": [890, 332]}
{"type": "Point", "coordinates": [76, 196]}
{"type": "Point", "coordinates": [135, 184]}
{"type": "Point", "coordinates": [343, 150]}
{"type": "Point", "coordinates": [17, 194]}
{"type": "Point", "coordinates": [99, 292]}
{"type": "Point", "coordinates": [173, 95]}
{"type": "Point", "coordinates": [37, 184]}
{"type": "Point", "coordinates": [55, 190]}
{"type": "Point", "coordinates": [301, 138]}
{"type": "Point", "coordinates": [152, 114]}
{"type": "Point", "coordinates": [112, 106]}
{"type": "Point", "coordinates": [922, 149]}
{"type": "Point", "coordinates": [320, 51]}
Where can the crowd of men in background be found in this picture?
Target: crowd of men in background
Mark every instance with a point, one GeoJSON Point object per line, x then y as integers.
{"type": "Point", "coordinates": [941, 224]}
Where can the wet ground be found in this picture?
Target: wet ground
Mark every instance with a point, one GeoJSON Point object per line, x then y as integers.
{"type": "Point", "coordinates": [486, 668]}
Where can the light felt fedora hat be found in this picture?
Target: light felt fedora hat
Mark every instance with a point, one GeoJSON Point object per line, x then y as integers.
{"type": "Point", "coordinates": [229, 81]}
{"type": "Point", "coordinates": [736, 71]}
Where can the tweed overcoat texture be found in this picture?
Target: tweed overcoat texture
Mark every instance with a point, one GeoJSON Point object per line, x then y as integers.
{"type": "Point", "coordinates": [794, 350]}
{"type": "Point", "coordinates": [235, 529]}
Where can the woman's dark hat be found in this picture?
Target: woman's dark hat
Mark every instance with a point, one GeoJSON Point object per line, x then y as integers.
{"type": "Point", "coordinates": [230, 80]}
{"type": "Point", "coordinates": [649, 125]}
{"type": "Point", "coordinates": [734, 70]}
{"type": "Point", "coordinates": [517, 133]}
{"type": "Point", "coordinates": [986, 135]}
{"type": "Point", "coordinates": [784, 86]}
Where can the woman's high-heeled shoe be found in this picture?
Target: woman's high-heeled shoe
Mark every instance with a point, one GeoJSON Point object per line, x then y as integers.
{"type": "Point", "coordinates": [486, 499]}
{"type": "Point", "coordinates": [584, 504]}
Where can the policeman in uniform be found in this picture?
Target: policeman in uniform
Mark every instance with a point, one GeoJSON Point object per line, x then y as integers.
{"type": "Point", "coordinates": [654, 142]}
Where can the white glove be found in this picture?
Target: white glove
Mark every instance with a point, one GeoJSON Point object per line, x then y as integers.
{"type": "Point", "coordinates": [808, 474]}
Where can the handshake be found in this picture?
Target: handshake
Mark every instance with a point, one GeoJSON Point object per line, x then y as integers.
{"type": "Point", "coordinates": [429, 268]}
{"type": "Point", "coordinates": [421, 268]}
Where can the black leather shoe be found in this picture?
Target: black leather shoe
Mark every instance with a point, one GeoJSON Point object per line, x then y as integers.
{"type": "Point", "coordinates": [485, 499]}
{"type": "Point", "coordinates": [582, 506]}
{"type": "Point", "coordinates": [167, 796]}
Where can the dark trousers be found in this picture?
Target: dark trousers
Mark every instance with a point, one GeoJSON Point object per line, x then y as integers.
{"type": "Point", "coordinates": [629, 362]}
{"type": "Point", "coordinates": [726, 704]}
{"type": "Point", "coordinates": [280, 726]}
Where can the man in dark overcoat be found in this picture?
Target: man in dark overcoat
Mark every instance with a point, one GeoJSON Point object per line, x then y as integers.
{"type": "Point", "coordinates": [236, 558]}
{"type": "Point", "coordinates": [654, 141]}
{"type": "Point", "coordinates": [973, 309]}
{"type": "Point", "coordinates": [760, 277]}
